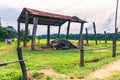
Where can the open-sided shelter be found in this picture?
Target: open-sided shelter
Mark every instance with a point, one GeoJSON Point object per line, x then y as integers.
{"type": "Point", "coordinates": [36, 17]}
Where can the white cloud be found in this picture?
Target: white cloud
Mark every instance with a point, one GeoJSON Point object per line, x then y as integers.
{"type": "Point", "coordinates": [90, 10]}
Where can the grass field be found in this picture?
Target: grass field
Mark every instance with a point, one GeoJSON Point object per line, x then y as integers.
{"type": "Point", "coordinates": [65, 62]}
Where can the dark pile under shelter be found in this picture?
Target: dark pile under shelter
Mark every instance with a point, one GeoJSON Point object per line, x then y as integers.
{"type": "Point", "coordinates": [36, 17]}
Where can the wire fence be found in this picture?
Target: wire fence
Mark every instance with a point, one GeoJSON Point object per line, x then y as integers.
{"type": "Point", "coordinates": [101, 48]}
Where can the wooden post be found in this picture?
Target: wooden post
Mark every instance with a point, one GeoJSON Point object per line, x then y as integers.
{"type": "Point", "coordinates": [116, 33]}
{"type": "Point", "coordinates": [81, 46]}
{"type": "Point", "coordinates": [87, 35]}
{"type": "Point", "coordinates": [68, 28]}
{"type": "Point", "coordinates": [95, 33]}
{"type": "Point", "coordinates": [114, 48]}
{"type": "Point", "coordinates": [114, 43]}
{"type": "Point", "coordinates": [18, 28]}
{"type": "Point", "coordinates": [48, 35]}
{"type": "Point", "coordinates": [81, 52]}
{"type": "Point", "coordinates": [116, 14]}
{"type": "Point", "coordinates": [35, 21]}
{"type": "Point", "coordinates": [81, 30]}
{"type": "Point", "coordinates": [26, 29]}
{"type": "Point", "coordinates": [59, 32]}
{"type": "Point", "coordinates": [105, 37]}
{"type": "Point", "coordinates": [38, 41]}
{"type": "Point", "coordinates": [22, 64]}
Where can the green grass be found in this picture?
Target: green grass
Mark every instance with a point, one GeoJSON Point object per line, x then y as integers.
{"type": "Point", "coordinates": [3, 45]}
{"type": "Point", "coordinates": [61, 61]}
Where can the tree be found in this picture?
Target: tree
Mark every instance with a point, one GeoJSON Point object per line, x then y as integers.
{"type": "Point", "coordinates": [3, 33]}
{"type": "Point", "coordinates": [11, 31]}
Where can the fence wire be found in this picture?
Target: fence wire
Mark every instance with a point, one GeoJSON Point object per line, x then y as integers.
{"type": "Point", "coordinates": [101, 48]}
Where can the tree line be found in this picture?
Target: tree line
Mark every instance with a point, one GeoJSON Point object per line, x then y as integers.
{"type": "Point", "coordinates": [7, 32]}
{"type": "Point", "coordinates": [10, 32]}
{"type": "Point", "coordinates": [109, 36]}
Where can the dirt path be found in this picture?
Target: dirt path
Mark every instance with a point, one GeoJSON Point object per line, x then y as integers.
{"type": "Point", "coordinates": [4, 51]}
{"type": "Point", "coordinates": [51, 73]}
{"type": "Point", "coordinates": [106, 71]}
{"type": "Point", "coordinates": [101, 73]}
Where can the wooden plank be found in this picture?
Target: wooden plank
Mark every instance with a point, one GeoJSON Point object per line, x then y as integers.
{"type": "Point", "coordinates": [26, 29]}
{"type": "Point", "coordinates": [95, 35]}
{"type": "Point", "coordinates": [35, 21]}
{"type": "Point", "coordinates": [18, 28]}
{"type": "Point", "coordinates": [58, 36]}
{"type": "Point", "coordinates": [22, 64]}
{"type": "Point", "coordinates": [68, 28]}
{"type": "Point", "coordinates": [87, 35]}
{"type": "Point", "coordinates": [48, 35]}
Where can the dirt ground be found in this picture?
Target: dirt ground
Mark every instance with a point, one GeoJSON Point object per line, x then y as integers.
{"type": "Point", "coordinates": [106, 71]}
{"type": "Point", "coordinates": [101, 73]}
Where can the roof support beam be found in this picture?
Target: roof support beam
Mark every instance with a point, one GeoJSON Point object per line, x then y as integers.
{"type": "Point", "coordinates": [68, 28]}
{"type": "Point", "coordinates": [18, 28]}
{"type": "Point", "coordinates": [26, 29]}
{"type": "Point", "coordinates": [80, 37]}
{"type": "Point", "coordinates": [35, 22]}
{"type": "Point", "coordinates": [48, 35]}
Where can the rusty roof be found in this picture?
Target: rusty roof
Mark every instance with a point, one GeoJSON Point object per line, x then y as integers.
{"type": "Point", "coordinates": [46, 18]}
{"type": "Point", "coordinates": [47, 14]}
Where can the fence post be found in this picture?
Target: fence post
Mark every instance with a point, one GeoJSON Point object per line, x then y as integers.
{"type": "Point", "coordinates": [87, 35]}
{"type": "Point", "coordinates": [105, 37]}
{"type": "Point", "coordinates": [81, 52]}
{"type": "Point", "coordinates": [116, 33]}
{"type": "Point", "coordinates": [94, 26]}
{"type": "Point", "coordinates": [114, 48]}
{"type": "Point", "coordinates": [22, 64]}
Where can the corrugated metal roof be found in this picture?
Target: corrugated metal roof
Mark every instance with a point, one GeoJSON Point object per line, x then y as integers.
{"type": "Point", "coordinates": [47, 14]}
{"type": "Point", "coordinates": [46, 18]}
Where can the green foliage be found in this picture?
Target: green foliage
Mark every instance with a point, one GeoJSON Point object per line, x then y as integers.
{"type": "Point", "coordinates": [100, 36]}
{"type": "Point", "coordinates": [22, 32]}
{"type": "Point", "coordinates": [11, 31]}
{"type": "Point", "coordinates": [7, 32]}
{"type": "Point", "coordinates": [3, 33]}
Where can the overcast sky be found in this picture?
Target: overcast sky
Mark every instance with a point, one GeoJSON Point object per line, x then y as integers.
{"type": "Point", "coordinates": [100, 11]}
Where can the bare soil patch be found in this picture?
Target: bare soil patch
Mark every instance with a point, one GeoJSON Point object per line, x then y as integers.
{"type": "Point", "coordinates": [4, 51]}
{"type": "Point", "coordinates": [40, 47]}
{"type": "Point", "coordinates": [51, 73]}
{"type": "Point", "coordinates": [106, 71]}
{"type": "Point", "coordinates": [100, 50]}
